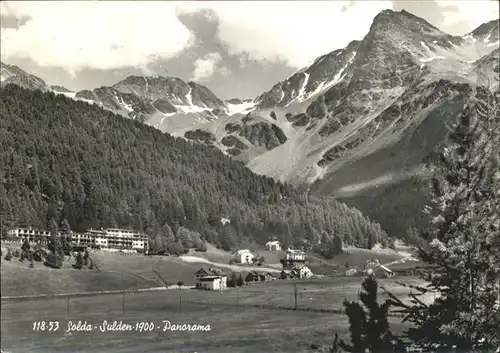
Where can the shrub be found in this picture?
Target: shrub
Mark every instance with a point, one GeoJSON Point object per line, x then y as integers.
{"type": "Point", "coordinates": [53, 261]}
{"type": "Point", "coordinates": [78, 261]}
{"type": "Point", "coordinates": [38, 255]}
{"type": "Point", "coordinates": [240, 282]}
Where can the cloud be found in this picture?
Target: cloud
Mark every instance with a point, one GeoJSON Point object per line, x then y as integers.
{"type": "Point", "coordinates": [101, 35]}
{"type": "Point", "coordinates": [110, 35]}
{"type": "Point", "coordinates": [469, 13]}
{"type": "Point", "coordinates": [206, 66]}
{"type": "Point", "coordinates": [294, 32]}
{"type": "Point", "coordinates": [224, 71]}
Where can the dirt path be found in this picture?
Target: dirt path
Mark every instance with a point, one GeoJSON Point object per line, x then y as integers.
{"type": "Point", "coordinates": [237, 268]}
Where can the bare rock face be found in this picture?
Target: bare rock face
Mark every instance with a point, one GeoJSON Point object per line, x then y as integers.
{"type": "Point", "coordinates": [259, 134]}
{"type": "Point", "coordinates": [200, 136]}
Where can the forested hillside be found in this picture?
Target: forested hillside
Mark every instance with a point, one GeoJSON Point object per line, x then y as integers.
{"type": "Point", "coordinates": [399, 207]}
{"type": "Point", "coordinates": [64, 159]}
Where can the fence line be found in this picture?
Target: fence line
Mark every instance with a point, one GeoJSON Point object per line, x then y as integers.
{"type": "Point", "coordinates": [235, 302]}
{"type": "Point", "coordinates": [279, 307]}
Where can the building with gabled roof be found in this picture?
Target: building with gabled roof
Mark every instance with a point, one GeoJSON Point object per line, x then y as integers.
{"type": "Point", "coordinates": [273, 245]}
{"type": "Point", "coordinates": [376, 268]}
{"type": "Point", "coordinates": [302, 271]}
{"type": "Point", "coordinates": [255, 276]}
{"type": "Point", "coordinates": [292, 258]}
{"type": "Point", "coordinates": [211, 279]}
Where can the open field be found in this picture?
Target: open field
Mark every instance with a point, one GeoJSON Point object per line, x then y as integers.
{"type": "Point", "coordinates": [119, 271]}
{"type": "Point", "coordinates": [237, 324]}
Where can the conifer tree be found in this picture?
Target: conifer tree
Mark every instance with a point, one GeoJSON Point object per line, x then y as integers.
{"type": "Point", "coordinates": [7, 216]}
{"type": "Point", "coordinates": [368, 324]}
{"type": "Point", "coordinates": [85, 257]}
{"type": "Point", "coordinates": [78, 261]}
{"type": "Point", "coordinates": [234, 279]}
{"type": "Point", "coordinates": [464, 244]}
{"type": "Point", "coordinates": [241, 281]}
{"type": "Point", "coordinates": [26, 245]}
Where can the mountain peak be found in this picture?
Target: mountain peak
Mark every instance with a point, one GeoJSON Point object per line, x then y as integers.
{"type": "Point", "coordinates": [135, 79]}
{"type": "Point", "coordinates": [403, 20]}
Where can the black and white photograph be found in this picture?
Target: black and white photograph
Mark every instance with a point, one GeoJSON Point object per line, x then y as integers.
{"type": "Point", "coordinates": [250, 176]}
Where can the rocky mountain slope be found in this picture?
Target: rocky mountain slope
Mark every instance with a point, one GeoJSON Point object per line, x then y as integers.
{"type": "Point", "coordinates": [15, 75]}
{"type": "Point", "coordinates": [359, 118]}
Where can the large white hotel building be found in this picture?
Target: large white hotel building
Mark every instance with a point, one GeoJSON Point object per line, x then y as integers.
{"type": "Point", "coordinates": [110, 239]}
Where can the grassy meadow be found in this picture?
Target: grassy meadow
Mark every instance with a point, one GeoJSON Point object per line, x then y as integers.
{"type": "Point", "coordinates": [257, 318]}
{"type": "Point", "coordinates": [237, 324]}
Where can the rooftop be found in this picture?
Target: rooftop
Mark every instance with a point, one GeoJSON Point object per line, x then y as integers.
{"type": "Point", "coordinates": [211, 271]}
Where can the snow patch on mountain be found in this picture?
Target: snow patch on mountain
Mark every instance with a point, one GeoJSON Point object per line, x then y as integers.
{"type": "Point", "coordinates": [426, 60]}
{"type": "Point", "coordinates": [239, 108]}
{"type": "Point", "coordinates": [324, 86]}
{"type": "Point", "coordinates": [302, 91]}
{"type": "Point", "coordinates": [425, 46]}
{"type": "Point", "coordinates": [67, 94]}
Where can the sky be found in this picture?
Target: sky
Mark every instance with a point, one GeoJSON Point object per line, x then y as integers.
{"type": "Point", "coordinates": [238, 49]}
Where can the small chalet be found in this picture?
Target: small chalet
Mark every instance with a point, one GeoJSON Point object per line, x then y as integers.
{"type": "Point", "coordinates": [273, 245]}
{"type": "Point", "coordinates": [256, 276]}
{"type": "Point", "coordinates": [211, 279]}
{"type": "Point", "coordinates": [243, 256]}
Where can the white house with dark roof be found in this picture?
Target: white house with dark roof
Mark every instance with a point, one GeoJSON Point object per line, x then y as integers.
{"type": "Point", "coordinates": [211, 279]}
{"type": "Point", "coordinates": [243, 256]}
{"type": "Point", "coordinates": [273, 245]}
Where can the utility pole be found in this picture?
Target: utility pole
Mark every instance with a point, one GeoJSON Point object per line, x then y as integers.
{"type": "Point", "coordinates": [237, 300]}
{"type": "Point", "coordinates": [67, 306]}
{"type": "Point", "coordinates": [123, 303]}
{"type": "Point", "coordinates": [180, 302]}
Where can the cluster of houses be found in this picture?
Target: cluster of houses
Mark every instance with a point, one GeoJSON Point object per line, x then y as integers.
{"type": "Point", "coordinates": [110, 239]}
{"type": "Point", "coordinates": [294, 266]}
